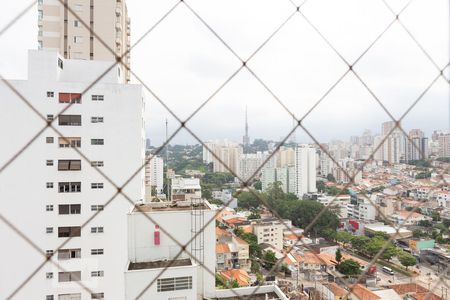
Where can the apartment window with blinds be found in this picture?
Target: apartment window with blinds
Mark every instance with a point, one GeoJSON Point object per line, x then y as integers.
{"type": "Point", "coordinates": [69, 296]}
{"type": "Point", "coordinates": [73, 231]}
{"type": "Point", "coordinates": [69, 187]}
{"type": "Point", "coordinates": [65, 254]}
{"type": "Point", "coordinates": [69, 120]}
{"type": "Point", "coordinates": [69, 165]}
{"type": "Point", "coordinates": [97, 141]}
{"type": "Point", "coordinates": [69, 209]}
{"type": "Point", "coordinates": [174, 284]}
{"type": "Point", "coordinates": [98, 97]}
{"type": "Point", "coordinates": [69, 276]}
{"type": "Point", "coordinates": [97, 163]}
{"type": "Point", "coordinates": [69, 98]}
{"type": "Point", "coordinates": [66, 142]}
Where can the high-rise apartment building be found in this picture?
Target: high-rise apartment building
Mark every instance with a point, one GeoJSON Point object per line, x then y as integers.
{"type": "Point", "coordinates": [305, 170]}
{"type": "Point", "coordinates": [50, 191]}
{"type": "Point", "coordinates": [223, 155]}
{"type": "Point", "coordinates": [86, 29]}
{"type": "Point", "coordinates": [444, 145]}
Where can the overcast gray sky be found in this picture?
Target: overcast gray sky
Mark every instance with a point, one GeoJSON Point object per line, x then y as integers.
{"type": "Point", "coordinates": [184, 63]}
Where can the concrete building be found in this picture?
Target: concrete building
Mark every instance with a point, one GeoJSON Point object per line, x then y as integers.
{"type": "Point", "coordinates": [223, 155]}
{"type": "Point", "coordinates": [50, 190]}
{"type": "Point", "coordinates": [157, 171]}
{"type": "Point", "coordinates": [155, 242]}
{"type": "Point", "coordinates": [444, 145]}
{"type": "Point", "coordinates": [284, 175]}
{"type": "Point", "coordinates": [250, 163]}
{"type": "Point", "coordinates": [185, 189]}
{"type": "Point", "coordinates": [269, 232]}
{"type": "Point", "coordinates": [305, 170]}
{"type": "Point", "coordinates": [86, 29]}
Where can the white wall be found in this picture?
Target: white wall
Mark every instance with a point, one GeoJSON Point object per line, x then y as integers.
{"type": "Point", "coordinates": [23, 191]}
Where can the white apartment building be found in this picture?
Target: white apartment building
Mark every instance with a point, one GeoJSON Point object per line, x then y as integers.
{"type": "Point", "coordinates": [185, 189]}
{"type": "Point", "coordinates": [269, 232]}
{"type": "Point", "coordinates": [49, 191]}
{"type": "Point", "coordinates": [284, 175]}
{"type": "Point", "coordinates": [250, 163]}
{"type": "Point", "coordinates": [155, 172]}
{"type": "Point", "coordinates": [86, 29]}
{"type": "Point", "coordinates": [363, 210]}
{"type": "Point", "coordinates": [444, 145]}
{"type": "Point", "coordinates": [226, 156]}
{"type": "Point", "coordinates": [152, 248]}
{"type": "Point", "coordinates": [305, 170]}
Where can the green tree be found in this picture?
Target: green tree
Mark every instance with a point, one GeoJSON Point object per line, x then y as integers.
{"type": "Point", "coordinates": [338, 256]}
{"type": "Point", "coordinates": [248, 200]}
{"type": "Point", "coordinates": [344, 237]}
{"type": "Point", "coordinates": [258, 185]}
{"type": "Point", "coordinates": [406, 259]}
{"type": "Point", "coordinates": [389, 252]}
{"type": "Point", "coordinates": [330, 177]}
{"type": "Point", "coordinates": [254, 215]}
{"type": "Point", "coordinates": [424, 223]}
{"type": "Point", "coordinates": [269, 259]}
{"type": "Point", "coordinates": [417, 233]}
{"type": "Point", "coordinates": [349, 267]}
{"type": "Point", "coordinates": [359, 243]}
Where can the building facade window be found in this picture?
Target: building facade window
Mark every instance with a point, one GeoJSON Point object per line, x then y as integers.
{"type": "Point", "coordinates": [96, 251]}
{"type": "Point", "coordinates": [96, 229]}
{"type": "Point", "coordinates": [69, 209]}
{"type": "Point", "coordinates": [97, 207]}
{"type": "Point", "coordinates": [49, 207]}
{"type": "Point", "coordinates": [66, 142]}
{"type": "Point", "coordinates": [97, 163]}
{"type": "Point", "coordinates": [97, 141]}
{"type": "Point", "coordinates": [97, 274]}
{"type": "Point", "coordinates": [69, 165]}
{"type": "Point", "coordinates": [98, 296]}
{"type": "Point", "coordinates": [49, 253]}
{"type": "Point", "coordinates": [49, 185]}
{"type": "Point", "coordinates": [50, 118]}
{"type": "Point", "coordinates": [97, 185]}
{"type": "Point", "coordinates": [65, 254]}
{"type": "Point", "coordinates": [49, 297]}
{"type": "Point", "coordinates": [77, 23]}
{"type": "Point", "coordinates": [96, 119]}
{"type": "Point", "coordinates": [70, 98]}
{"type": "Point", "coordinates": [69, 120]}
{"type": "Point", "coordinates": [49, 140]}
{"type": "Point", "coordinates": [78, 39]}
{"type": "Point", "coordinates": [40, 14]}
{"type": "Point", "coordinates": [73, 231]}
{"type": "Point", "coordinates": [73, 296]}
{"type": "Point", "coordinates": [49, 230]}
{"type": "Point", "coordinates": [49, 162]}
{"type": "Point", "coordinates": [49, 275]}
{"type": "Point", "coordinates": [174, 284]}
{"type": "Point", "coordinates": [60, 63]}
{"type": "Point", "coordinates": [69, 276]}
{"type": "Point", "coordinates": [50, 94]}
{"type": "Point", "coordinates": [69, 187]}
{"type": "Point", "coordinates": [97, 97]}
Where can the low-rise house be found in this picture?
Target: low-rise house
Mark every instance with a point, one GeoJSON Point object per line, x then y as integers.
{"type": "Point", "coordinates": [240, 276]}
{"type": "Point", "coordinates": [405, 217]}
{"type": "Point", "coordinates": [414, 290]}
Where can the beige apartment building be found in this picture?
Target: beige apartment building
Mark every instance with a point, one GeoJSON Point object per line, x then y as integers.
{"type": "Point", "coordinates": [86, 29]}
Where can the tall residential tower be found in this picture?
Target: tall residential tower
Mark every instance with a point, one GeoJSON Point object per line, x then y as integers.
{"type": "Point", "coordinates": [86, 29]}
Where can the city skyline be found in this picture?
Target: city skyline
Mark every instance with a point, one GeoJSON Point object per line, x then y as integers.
{"type": "Point", "coordinates": [201, 64]}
